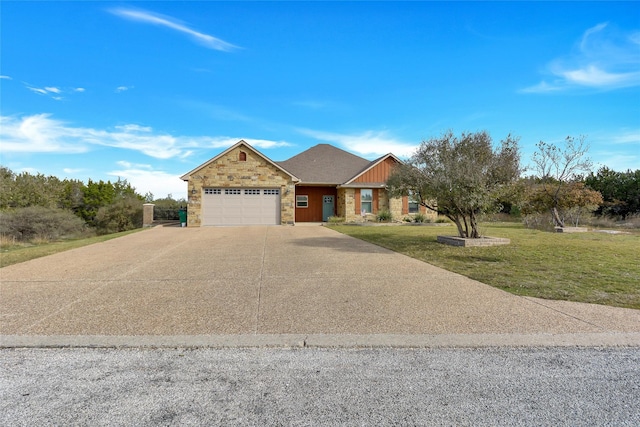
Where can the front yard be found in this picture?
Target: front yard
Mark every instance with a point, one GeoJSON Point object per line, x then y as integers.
{"type": "Point", "coordinates": [591, 267]}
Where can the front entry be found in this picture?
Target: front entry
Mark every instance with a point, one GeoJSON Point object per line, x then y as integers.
{"type": "Point", "coordinates": [327, 207]}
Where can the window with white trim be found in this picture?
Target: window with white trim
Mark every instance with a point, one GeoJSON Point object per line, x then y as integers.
{"type": "Point", "coordinates": [366, 200]}
{"type": "Point", "coordinates": [302, 201]}
{"type": "Point", "coordinates": [232, 191]}
{"type": "Point", "coordinates": [212, 191]}
{"type": "Point", "coordinates": [272, 192]}
{"type": "Point", "coordinates": [252, 191]}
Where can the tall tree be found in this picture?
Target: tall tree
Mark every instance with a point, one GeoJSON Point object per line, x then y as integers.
{"type": "Point", "coordinates": [459, 177]}
{"type": "Point", "coordinates": [557, 168]}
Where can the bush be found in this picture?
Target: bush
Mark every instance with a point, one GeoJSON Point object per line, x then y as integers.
{"type": "Point", "coordinates": [40, 223]}
{"type": "Point", "coordinates": [335, 220]}
{"type": "Point", "coordinates": [384, 216]}
{"type": "Point", "coordinates": [125, 214]}
{"type": "Point", "coordinates": [420, 217]}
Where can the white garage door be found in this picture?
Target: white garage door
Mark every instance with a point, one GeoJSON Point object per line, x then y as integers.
{"type": "Point", "coordinates": [240, 206]}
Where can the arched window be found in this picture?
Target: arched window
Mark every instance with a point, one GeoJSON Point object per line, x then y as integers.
{"type": "Point", "coordinates": [243, 156]}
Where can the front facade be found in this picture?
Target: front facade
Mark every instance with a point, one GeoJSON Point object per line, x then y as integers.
{"type": "Point", "coordinates": [241, 186]}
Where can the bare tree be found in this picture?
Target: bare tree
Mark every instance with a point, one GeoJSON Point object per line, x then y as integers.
{"type": "Point", "coordinates": [459, 177]}
{"type": "Point", "coordinates": [557, 168]}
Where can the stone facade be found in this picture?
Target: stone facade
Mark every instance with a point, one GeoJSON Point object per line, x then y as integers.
{"type": "Point", "coordinates": [229, 171]}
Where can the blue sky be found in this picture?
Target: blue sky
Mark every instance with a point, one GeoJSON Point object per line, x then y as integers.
{"type": "Point", "coordinates": [147, 91]}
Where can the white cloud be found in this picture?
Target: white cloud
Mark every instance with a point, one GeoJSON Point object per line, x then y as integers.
{"type": "Point", "coordinates": [6, 78]}
{"type": "Point", "coordinates": [169, 22]}
{"type": "Point", "coordinates": [145, 179]}
{"type": "Point", "coordinates": [52, 91]}
{"type": "Point", "coordinates": [41, 133]}
{"type": "Point", "coordinates": [367, 144]}
{"type": "Point", "coordinates": [604, 58]}
{"type": "Point", "coordinates": [123, 88]}
{"type": "Point", "coordinates": [38, 134]}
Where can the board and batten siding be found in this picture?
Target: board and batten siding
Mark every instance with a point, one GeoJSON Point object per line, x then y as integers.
{"type": "Point", "coordinates": [380, 173]}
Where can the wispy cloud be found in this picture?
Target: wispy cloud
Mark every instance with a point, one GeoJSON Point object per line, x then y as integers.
{"type": "Point", "coordinates": [123, 88]}
{"type": "Point", "coordinates": [367, 143]}
{"type": "Point", "coordinates": [6, 78]}
{"type": "Point", "coordinates": [206, 40]}
{"type": "Point", "coordinates": [52, 91]}
{"type": "Point", "coordinates": [41, 133]}
{"type": "Point", "coordinates": [604, 58]}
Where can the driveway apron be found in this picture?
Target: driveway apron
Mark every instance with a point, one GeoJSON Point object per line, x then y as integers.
{"type": "Point", "coordinates": [268, 280]}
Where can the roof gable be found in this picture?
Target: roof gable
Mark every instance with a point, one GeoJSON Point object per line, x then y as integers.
{"type": "Point", "coordinates": [324, 164]}
{"type": "Point", "coordinates": [240, 143]}
{"type": "Point", "coordinates": [368, 174]}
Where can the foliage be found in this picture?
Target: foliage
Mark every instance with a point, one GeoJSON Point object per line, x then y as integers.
{"type": "Point", "coordinates": [571, 204]}
{"type": "Point", "coordinates": [620, 191]}
{"type": "Point", "coordinates": [586, 267]}
{"type": "Point", "coordinates": [420, 218]}
{"type": "Point", "coordinates": [459, 177]}
{"type": "Point", "coordinates": [122, 215]}
{"type": "Point", "coordinates": [384, 216]}
{"type": "Point", "coordinates": [114, 201]}
{"type": "Point", "coordinates": [335, 220]}
{"type": "Point", "coordinates": [557, 172]}
{"type": "Point", "coordinates": [39, 222]}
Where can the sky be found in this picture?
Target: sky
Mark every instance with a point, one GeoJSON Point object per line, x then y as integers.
{"type": "Point", "coordinates": [147, 91]}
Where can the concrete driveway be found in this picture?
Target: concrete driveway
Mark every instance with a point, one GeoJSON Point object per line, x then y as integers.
{"type": "Point", "coordinates": [302, 285]}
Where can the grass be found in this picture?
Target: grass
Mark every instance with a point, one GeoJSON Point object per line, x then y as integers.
{"type": "Point", "coordinates": [588, 267]}
{"type": "Point", "coordinates": [14, 254]}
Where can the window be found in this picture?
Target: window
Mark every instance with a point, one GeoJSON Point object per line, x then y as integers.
{"type": "Point", "coordinates": [272, 192]}
{"type": "Point", "coordinates": [252, 191]}
{"type": "Point", "coordinates": [242, 156]}
{"type": "Point", "coordinates": [232, 191]}
{"type": "Point", "coordinates": [413, 203]}
{"type": "Point", "coordinates": [366, 200]}
{"type": "Point", "coordinates": [212, 191]}
{"type": "Point", "coordinates": [302, 201]}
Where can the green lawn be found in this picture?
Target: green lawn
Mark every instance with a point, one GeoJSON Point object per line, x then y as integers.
{"type": "Point", "coordinates": [586, 267]}
{"type": "Point", "coordinates": [21, 253]}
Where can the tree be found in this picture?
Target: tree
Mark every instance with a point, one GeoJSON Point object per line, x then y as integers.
{"type": "Point", "coordinates": [576, 200]}
{"type": "Point", "coordinates": [459, 177]}
{"type": "Point", "coordinates": [557, 168]}
{"type": "Point", "coordinates": [620, 191]}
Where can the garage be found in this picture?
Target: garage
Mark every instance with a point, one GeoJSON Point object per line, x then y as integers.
{"type": "Point", "coordinates": [241, 206]}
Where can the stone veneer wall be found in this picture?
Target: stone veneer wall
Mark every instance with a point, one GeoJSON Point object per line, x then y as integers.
{"type": "Point", "coordinates": [229, 172]}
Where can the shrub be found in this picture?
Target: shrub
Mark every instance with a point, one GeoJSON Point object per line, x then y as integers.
{"type": "Point", "coordinates": [125, 214]}
{"type": "Point", "coordinates": [384, 216]}
{"type": "Point", "coordinates": [40, 223]}
{"type": "Point", "coordinates": [335, 220]}
{"type": "Point", "coordinates": [419, 217]}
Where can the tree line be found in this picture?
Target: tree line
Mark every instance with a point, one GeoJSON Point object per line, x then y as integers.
{"type": "Point", "coordinates": [463, 177]}
{"type": "Point", "coordinates": [46, 207]}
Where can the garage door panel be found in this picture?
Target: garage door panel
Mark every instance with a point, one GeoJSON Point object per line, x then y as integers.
{"type": "Point", "coordinates": [241, 207]}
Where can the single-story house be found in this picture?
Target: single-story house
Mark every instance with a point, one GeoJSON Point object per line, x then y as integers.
{"type": "Point", "coordinates": [243, 186]}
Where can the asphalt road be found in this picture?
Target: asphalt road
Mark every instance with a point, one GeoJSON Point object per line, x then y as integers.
{"type": "Point", "coordinates": [568, 386]}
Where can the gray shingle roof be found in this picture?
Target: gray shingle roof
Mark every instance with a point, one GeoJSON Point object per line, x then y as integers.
{"type": "Point", "coordinates": [324, 164]}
